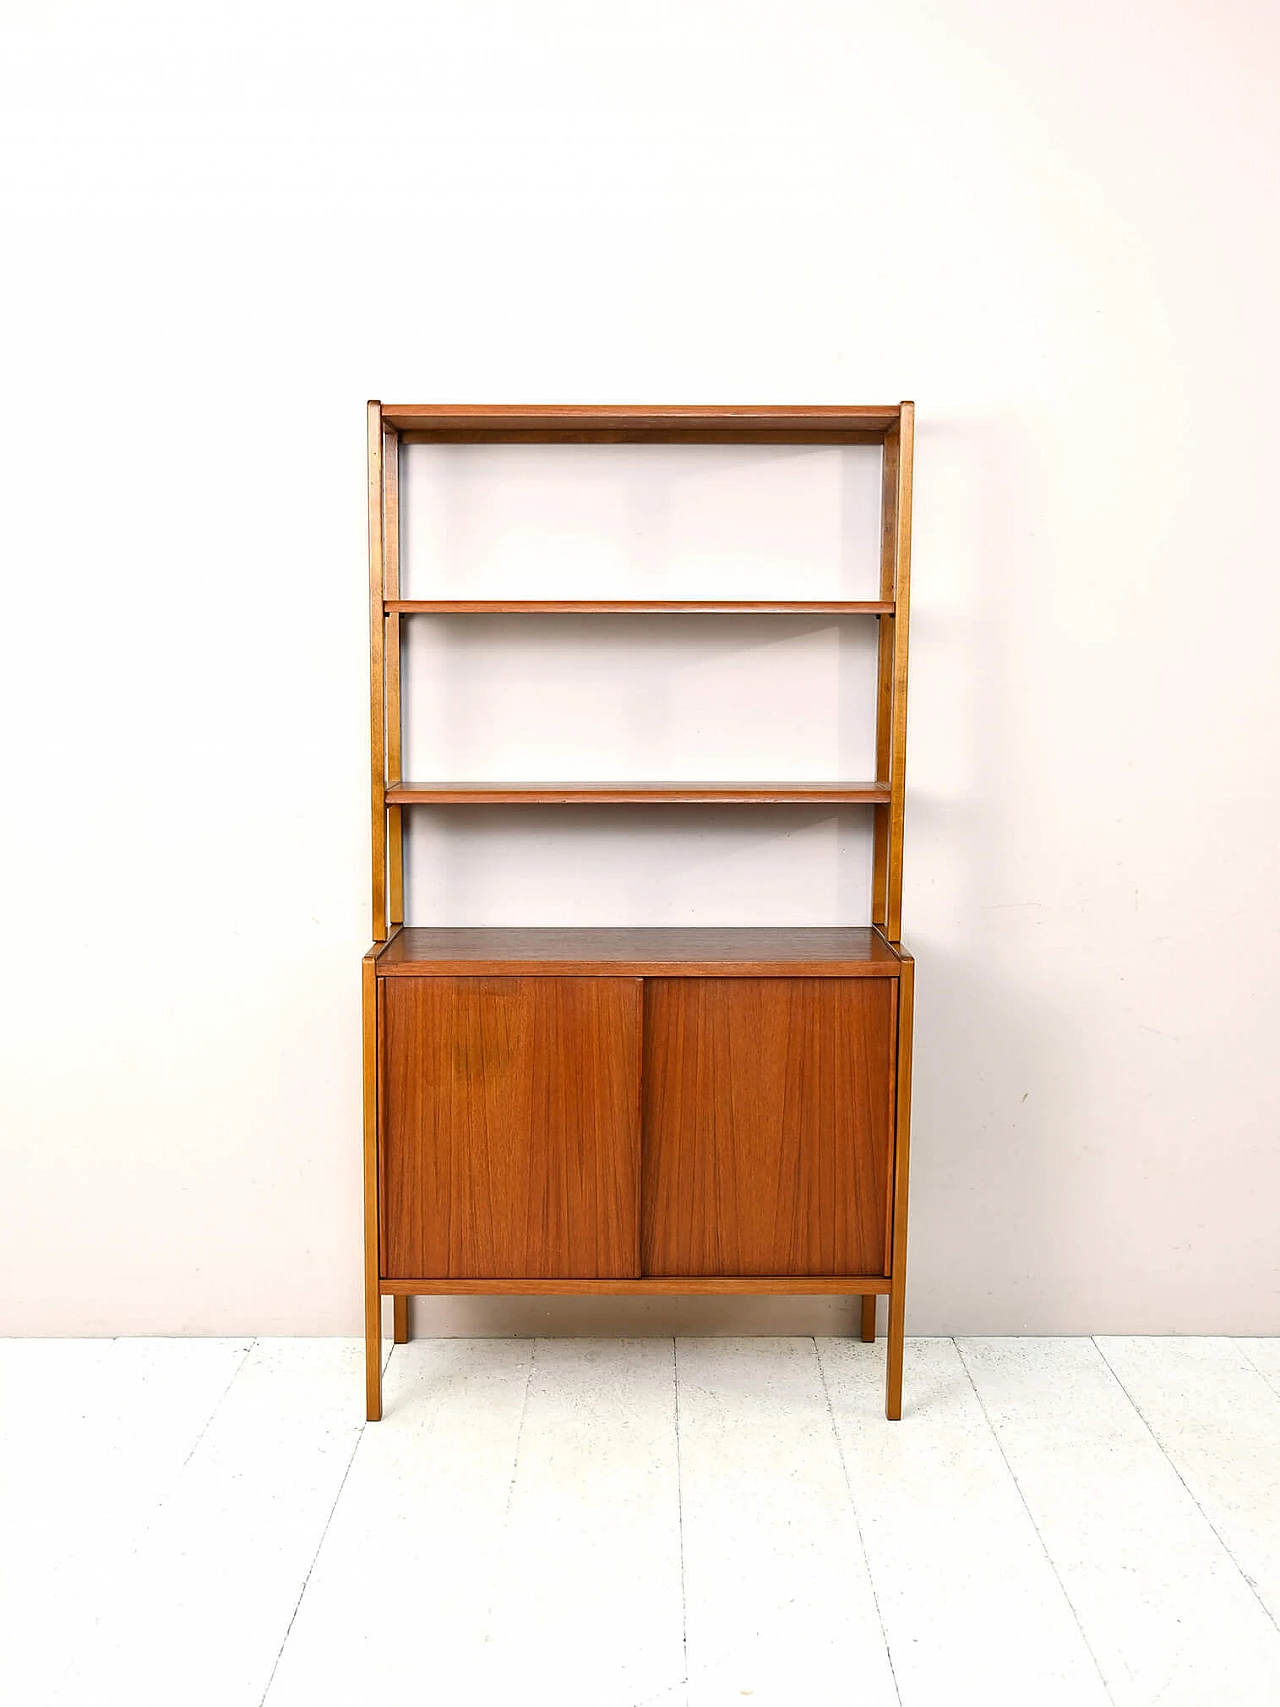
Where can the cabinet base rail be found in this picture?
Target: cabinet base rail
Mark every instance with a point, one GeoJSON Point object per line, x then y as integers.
{"type": "Point", "coordinates": [840, 1285]}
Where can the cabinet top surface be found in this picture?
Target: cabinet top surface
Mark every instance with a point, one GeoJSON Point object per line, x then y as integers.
{"type": "Point", "coordinates": [835, 951]}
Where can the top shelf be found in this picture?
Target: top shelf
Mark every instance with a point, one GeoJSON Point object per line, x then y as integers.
{"type": "Point", "coordinates": [641, 607]}
{"type": "Point", "coordinates": [482, 424]}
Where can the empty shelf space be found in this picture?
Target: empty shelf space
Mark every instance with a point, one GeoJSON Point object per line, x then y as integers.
{"type": "Point", "coordinates": [639, 607]}
{"type": "Point", "coordinates": [627, 793]}
{"type": "Point", "coordinates": [837, 951]}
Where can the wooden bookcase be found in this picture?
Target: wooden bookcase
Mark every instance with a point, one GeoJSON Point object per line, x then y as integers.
{"type": "Point", "coordinates": [637, 1110]}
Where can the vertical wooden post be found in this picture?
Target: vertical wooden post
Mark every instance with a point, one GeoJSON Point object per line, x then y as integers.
{"type": "Point", "coordinates": [400, 1320]}
{"type": "Point", "coordinates": [884, 676]}
{"type": "Point", "coordinates": [901, 1170]}
{"type": "Point", "coordinates": [869, 1319]}
{"type": "Point", "coordinates": [372, 1296]}
{"type": "Point", "coordinates": [391, 579]}
{"type": "Point", "coordinates": [369, 980]}
{"type": "Point", "coordinates": [901, 634]}
{"type": "Point", "coordinates": [377, 674]}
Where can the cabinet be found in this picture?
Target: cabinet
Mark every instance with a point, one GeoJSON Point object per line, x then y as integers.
{"type": "Point", "coordinates": [645, 1110]}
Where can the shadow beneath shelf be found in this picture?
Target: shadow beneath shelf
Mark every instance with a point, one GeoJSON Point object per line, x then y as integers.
{"type": "Point", "coordinates": [586, 1318]}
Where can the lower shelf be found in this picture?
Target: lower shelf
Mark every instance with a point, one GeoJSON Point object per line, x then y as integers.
{"type": "Point", "coordinates": [839, 1285]}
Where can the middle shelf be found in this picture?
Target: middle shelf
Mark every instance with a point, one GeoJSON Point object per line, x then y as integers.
{"type": "Point", "coordinates": [401, 793]}
{"type": "Point", "coordinates": [638, 607]}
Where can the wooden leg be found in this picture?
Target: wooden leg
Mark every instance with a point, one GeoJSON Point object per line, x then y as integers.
{"type": "Point", "coordinates": [901, 1161]}
{"type": "Point", "coordinates": [401, 1317]}
{"type": "Point", "coordinates": [893, 1377]}
{"type": "Point", "coordinates": [869, 1319]}
{"type": "Point", "coordinates": [373, 1356]}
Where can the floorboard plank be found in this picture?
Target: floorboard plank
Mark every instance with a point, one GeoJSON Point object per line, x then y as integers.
{"type": "Point", "coordinates": [1161, 1602]}
{"type": "Point", "coordinates": [970, 1602]}
{"type": "Point", "coordinates": [779, 1603]}
{"type": "Point", "coordinates": [1264, 1355]}
{"type": "Point", "coordinates": [199, 1609]}
{"type": "Point", "coordinates": [397, 1603]}
{"type": "Point", "coordinates": [93, 1436]}
{"type": "Point", "coordinates": [1218, 1422]}
{"type": "Point", "coordinates": [587, 1608]}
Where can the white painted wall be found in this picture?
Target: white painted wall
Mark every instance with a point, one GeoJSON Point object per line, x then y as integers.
{"type": "Point", "coordinates": [1055, 227]}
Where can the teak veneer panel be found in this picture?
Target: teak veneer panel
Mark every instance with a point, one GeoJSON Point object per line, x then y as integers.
{"type": "Point", "coordinates": [825, 951]}
{"type": "Point", "coordinates": [768, 1125]}
{"type": "Point", "coordinates": [636, 793]}
{"type": "Point", "coordinates": [510, 1134]}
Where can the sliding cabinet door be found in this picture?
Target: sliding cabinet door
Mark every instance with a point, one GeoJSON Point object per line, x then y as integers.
{"type": "Point", "coordinates": [509, 1131]}
{"type": "Point", "coordinates": [767, 1125]}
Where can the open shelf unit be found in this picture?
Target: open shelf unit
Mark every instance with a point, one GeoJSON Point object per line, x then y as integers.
{"type": "Point", "coordinates": [541, 1104]}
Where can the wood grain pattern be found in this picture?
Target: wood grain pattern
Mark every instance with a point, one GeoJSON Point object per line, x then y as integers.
{"type": "Point", "coordinates": [630, 424]}
{"type": "Point", "coordinates": [377, 678]}
{"type": "Point", "coordinates": [369, 989]}
{"type": "Point", "coordinates": [641, 607]}
{"type": "Point", "coordinates": [901, 1175]}
{"type": "Point", "coordinates": [391, 580]}
{"type": "Point", "coordinates": [901, 633]}
{"type": "Point", "coordinates": [510, 1127]}
{"type": "Point", "coordinates": [767, 1125]}
{"type": "Point", "coordinates": [395, 814]}
{"type": "Point", "coordinates": [837, 951]}
{"type": "Point", "coordinates": [884, 677]}
{"type": "Point", "coordinates": [580, 793]}
{"type": "Point", "coordinates": [648, 1286]}
{"type": "Point", "coordinates": [391, 512]}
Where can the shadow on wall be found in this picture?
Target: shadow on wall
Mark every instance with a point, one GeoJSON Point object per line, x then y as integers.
{"type": "Point", "coordinates": [997, 1215]}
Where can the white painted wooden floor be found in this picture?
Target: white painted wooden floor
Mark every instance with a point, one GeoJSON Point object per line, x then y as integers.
{"type": "Point", "coordinates": [1055, 1523]}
